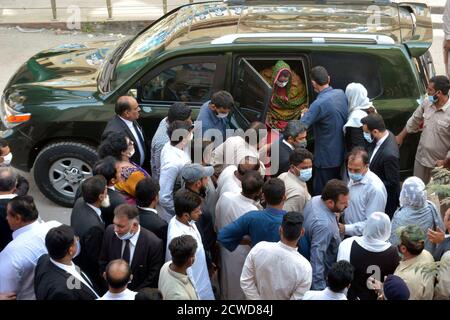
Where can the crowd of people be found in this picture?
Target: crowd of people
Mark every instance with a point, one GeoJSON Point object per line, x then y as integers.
{"type": "Point", "coordinates": [198, 213]}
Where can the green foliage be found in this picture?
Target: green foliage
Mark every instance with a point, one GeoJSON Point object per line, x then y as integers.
{"type": "Point", "coordinates": [440, 184]}
{"type": "Point", "coordinates": [433, 269]}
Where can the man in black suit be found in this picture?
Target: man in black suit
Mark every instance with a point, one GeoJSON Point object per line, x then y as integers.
{"type": "Point", "coordinates": [8, 182]}
{"type": "Point", "coordinates": [146, 200]}
{"type": "Point", "coordinates": [56, 276]}
{"type": "Point", "coordinates": [294, 135]}
{"type": "Point", "coordinates": [142, 249]}
{"type": "Point", "coordinates": [127, 112]}
{"type": "Point", "coordinates": [384, 158]}
{"type": "Point", "coordinates": [107, 167]}
{"type": "Point", "coordinates": [89, 227]}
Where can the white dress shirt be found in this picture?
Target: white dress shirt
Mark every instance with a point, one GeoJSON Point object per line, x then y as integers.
{"type": "Point", "coordinates": [133, 241]}
{"type": "Point", "coordinates": [98, 211]}
{"type": "Point", "coordinates": [72, 269]}
{"type": "Point", "coordinates": [173, 159]}
{"type": "Point", "coordinates": [18, 259]}
{"type": "Point", "coordinates": [275, 271]}
{"type": "Point", "coordinates": [228, 209]}
{"type": "Point", "coordinates": [325, 294]}
{"type": "Point", "coordinates": [198, 272]}
{"type": "Point", "coordinates": [379, 143]}
{"type": "Point", "coordinates": [126, 294]}
{"type": "Point", "coordinates": [288, 144]}
{"type": "Point", "coordinates": [228, 182]}
{"type": "Point", "coordinates": [232, 151]}
{"type": "Point", "coordinates": [366, 197]}
{"type": "Point", "coordinates": [136, 137]}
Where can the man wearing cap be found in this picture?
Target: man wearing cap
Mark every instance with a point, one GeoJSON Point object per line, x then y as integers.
{"type": "Point", "coordinates": [415, 260]}
{"type": "Point", "coordinates": [195, 178]}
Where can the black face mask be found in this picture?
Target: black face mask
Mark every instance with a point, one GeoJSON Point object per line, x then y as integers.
{"type": "Point", "coordinates": [202, 191]}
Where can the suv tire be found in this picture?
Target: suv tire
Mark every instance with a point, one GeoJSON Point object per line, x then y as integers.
{"type": "Point", "coordinates": [60, 167]}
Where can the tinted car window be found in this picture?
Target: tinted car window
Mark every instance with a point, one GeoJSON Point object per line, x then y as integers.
{"type": "Point", "coordinates": [191, 82]}
{"type": "Point", "coordinates": [345, 68]}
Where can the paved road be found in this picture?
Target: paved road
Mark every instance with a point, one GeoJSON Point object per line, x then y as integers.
{"type": "Point", "coordinates": [17, 46]}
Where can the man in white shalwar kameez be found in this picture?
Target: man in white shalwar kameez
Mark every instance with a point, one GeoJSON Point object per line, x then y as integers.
{"type": "Point", "coordinates": [230, 207]}
{"type": "Point", "coordinates": [230, 180]}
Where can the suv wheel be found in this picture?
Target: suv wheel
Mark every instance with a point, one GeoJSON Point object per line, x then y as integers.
{"type": "Point", "coordinates": [60, 167]}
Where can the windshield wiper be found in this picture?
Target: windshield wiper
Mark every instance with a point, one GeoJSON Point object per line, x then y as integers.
{"type": "Point", "coordinates": [110, 65]}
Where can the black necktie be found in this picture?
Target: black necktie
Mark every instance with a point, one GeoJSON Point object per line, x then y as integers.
{"type": "Point", "coordinates": [126, 252]}
{"type": "Point", "coordinates": [139, 134]}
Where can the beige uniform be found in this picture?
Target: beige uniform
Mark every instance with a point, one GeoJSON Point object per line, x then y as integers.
{"type": "Point", "coordinates": [435, 139]}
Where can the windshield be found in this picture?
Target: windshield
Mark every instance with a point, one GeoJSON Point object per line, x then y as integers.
{"type": "Point", "coordinates": [149, 43]}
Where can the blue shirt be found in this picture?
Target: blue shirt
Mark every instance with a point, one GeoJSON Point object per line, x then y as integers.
{"type": "Point", "coordinates": [322, 233]}
{"type": "Point", "coordinates": [327, 116]}
{"type": "Point", "coordinates": [260, 225]}
{"type": "Point", "coordinates": [209, 120]}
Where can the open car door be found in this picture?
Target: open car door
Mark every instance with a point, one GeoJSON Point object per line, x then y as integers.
{"type": "Point", "coordinates": [251, 94]}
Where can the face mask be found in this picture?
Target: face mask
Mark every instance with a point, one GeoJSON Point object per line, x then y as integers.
{"type": "Point", "coordinates": [433, 99]}
{"type": "Point", "coordinates": [282, 84]}
{"type": "Point", "coordinates": [7, 159]}
{"type": "Point", "coordinates": [355, 176]}
{"type": "Point", "coordinates": [78, 249]}
{"type": "Point", "coordinates": [303, 144]}
{"type": "Point", "coordinates": [305, 174]}
{"type": "Point", "coordinates": [368, 137]}
{"type": "Point", "coordinates": [202, 191]}
{"type": "Point", "coordinates": [105, 203]}
{"type": "Point", "coordinates": [130, 152]}
{"type": "Point", "coordinates": [126, 236]}
{"type": "Point", "coordinates": [222, 115]}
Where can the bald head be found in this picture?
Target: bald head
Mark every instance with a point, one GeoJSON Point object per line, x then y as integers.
{"type": "Point", "coordinates": [8, 180]}
{"type": "Point", "coordinates": [128, 108]}
{"type": "Point", "coordinates": [118, 274]}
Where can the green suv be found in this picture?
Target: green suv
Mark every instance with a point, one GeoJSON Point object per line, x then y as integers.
{"type": "Point", "coordinates": [55, 107]}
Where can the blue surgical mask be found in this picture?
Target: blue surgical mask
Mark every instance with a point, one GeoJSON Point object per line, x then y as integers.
{"type": "Point", "coordinates": [305, 174]}
{"type": "Point", "coordinates": [355, 176]}
{"type": "Point", "coordinates": [433, 99]}
{"type": "Point", "coordinates": [368, 137]}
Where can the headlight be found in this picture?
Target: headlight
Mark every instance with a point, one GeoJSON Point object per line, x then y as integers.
{"type": "Point", "coordinates": [11, 117]}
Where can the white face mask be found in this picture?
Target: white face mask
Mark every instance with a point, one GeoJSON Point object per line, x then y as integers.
{"type": "Point", "coordinates": [105, 203]}
{"type": "Point", "coordinates": [222, 115]}
{"type": "Point", "coordinates": [7, 159]}
{"type": "Point", "coordinates": [126, 236]}
{"type": "Point", "coordinates": [282, 84]}
{"type": "Point", "coordinates": [130, 152]}
{"type": "Point", "coordinates": [78, 249]}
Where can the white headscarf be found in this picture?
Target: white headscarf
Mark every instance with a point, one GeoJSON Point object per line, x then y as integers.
{"type": "Point", "coordinates": [376, 233]}
{"type": "Point", "coordinates": [374, 239]}
{"type": "Point", "coordinates": [358, 101]}
{"type": "Point", "coordinates": [413, 193]}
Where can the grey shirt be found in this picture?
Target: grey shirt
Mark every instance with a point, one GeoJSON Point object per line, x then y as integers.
{"type": "Point", "coordinates": [159, 140]}
{"type": "Point", "coordinates": [366, 197]}
{"type": "Point", "coordinates": [322, 232]}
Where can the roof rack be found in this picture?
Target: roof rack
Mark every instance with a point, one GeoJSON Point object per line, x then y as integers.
{"type": "Point", "coordinates": [259, 2]}
{"type": "Point", "coordinates": [312, 37]}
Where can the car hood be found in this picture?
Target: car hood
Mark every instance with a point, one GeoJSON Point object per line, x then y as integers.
{"type": "Point", "coordinates": [68, 67]}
